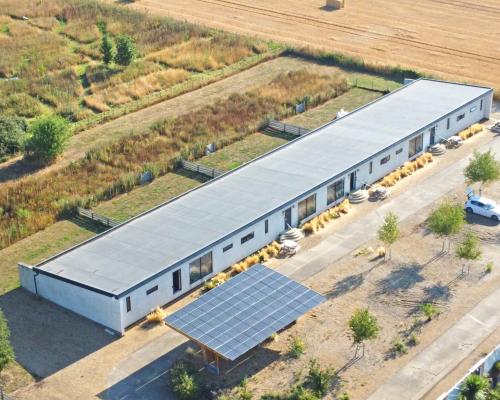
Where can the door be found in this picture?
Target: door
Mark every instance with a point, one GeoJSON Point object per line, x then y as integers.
{"type": "Point", "coordinates": [288, 218]}
{"type": "Point", "coordinates": [433, 136]}
{"type": "Point", "coordinates": [176, 281]}
{"type": "Point", "coordinates": [352, 181]}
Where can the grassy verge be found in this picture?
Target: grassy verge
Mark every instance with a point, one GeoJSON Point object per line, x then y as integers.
{"type": "Point", "coordinates": [354, 98]}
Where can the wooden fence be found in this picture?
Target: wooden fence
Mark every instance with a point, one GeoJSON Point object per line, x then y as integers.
{"type": "Point", "coordinates": [287, 128]}
{"type": "Point", "coordinates": [96, 217]}
{"type": "Point", "coordinates": [201, 169]}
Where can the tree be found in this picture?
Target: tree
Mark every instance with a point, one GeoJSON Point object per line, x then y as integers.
{"type": "Point", "coordinates": [482, 168]}
{"type": "Point", "coordinates": [469, 249]}
{"type": "Point", "coordinates": [6, 351]}
{"type": "Point", "coordinates": [107, 49]}
{"type": "Point", "coordinates": [364, 326]}
{"type": "Point", "coordinates": [474, 387]}
{"type": "Point", "coordinates": [125, 50]}
{"type": "Point", "coordinates": [389, 231]}
{"type": "Point", "coordinates": [48, 137]}
{"type": "Point", "coordinates": [12, 135]}
{"type": "Point", "coordinates": [446, 220]}
{"type": "Point", "coordinates": [429, 310]}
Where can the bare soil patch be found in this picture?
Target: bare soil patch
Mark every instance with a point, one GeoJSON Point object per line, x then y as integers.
{"type": "Point", "coordinates": [452, 39]}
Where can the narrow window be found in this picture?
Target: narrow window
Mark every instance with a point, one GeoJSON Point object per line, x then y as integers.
{"type": "Point", "coordinates": [473, 108]}
{"type": "Point", "coordinates": [385, 160]}
{"type": "Point", "coordinates": [228, 247]}
{"type": "Point", "coordinates": [152, 290]}
{"type": "Point", "coordinates": [129, 304]}
{"type": "Point", "coordinates": [461, 116]}
{"type": "Point", "coordinates": [481, 105]}
{"type": "Point", "coordinates": [176, 281]}
{"type": "Point", "coordinates": [370, 168]}
{"type": "Point", "coordinates": [448, 123]}
{"type": "Point", "coordinates": [399, 151]}
{"type": "Point", "coordinates": [246, 238]}
{"type": "Point", "coordinates": [266, 226]}
{"type": "Point", "coordinates": [335, 191]}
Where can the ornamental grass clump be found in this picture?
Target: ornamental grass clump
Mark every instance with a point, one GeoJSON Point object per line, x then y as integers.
{"type": "Point", "coordinates": [343, 207]}
{"type": "Point", "coordinates": [156, 316]}
{"type": "Point", "coordinates": [308, 228]}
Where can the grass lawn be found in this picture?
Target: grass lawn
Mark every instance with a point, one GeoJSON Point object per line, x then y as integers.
{"type": "Point", "coordinates": [245, 150]}
{"type": "Point", "coordinates": [354, 98]}
{"type": "Point", "coordinates": [42, 245]}
{"type": "Point", "coordinates": [148, 196]}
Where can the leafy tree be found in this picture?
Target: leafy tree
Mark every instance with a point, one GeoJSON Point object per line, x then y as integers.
{"type": "Point", "coordinates": [48, 137]}
{"type": "Point", "coordinates": [446, 220]}
{"type": "Point", "coordinates": [474, 387]}
{"type": "Point", "coordinates": [482, 168]}
{"type": "Point", "coordinates": [107, 49]}
{"type": "Point", "coordinates": [389, 232]}
{"type": "Point", "coordinates": [125, 50]}
{"type": "Point", "coordinates": [12, 135]}
{"type": "Point", "coordinates": [364, 326]}
{"type": "Point", "coordinates": [469, 249]}
{"type": "Point", "coordinates": [6, 351]}
{"type": "Point", "coordinates": [319, 380]}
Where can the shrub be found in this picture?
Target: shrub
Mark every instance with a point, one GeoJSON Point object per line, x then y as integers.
{"type": "Point", "coordinates": [125, 50]}
{"type": "Point", "coordinates": [297, 347]}
{"type": "Point", "coordinates": [345, 396]}
{"type": "Point", "coordinates": [238, 268]}
{"type": "Point", "coordinates": [429, 310]}
{"type": "Point", "coordinates": [489, 265]}
{"type": "Point", "coordinates": [343, 207]}
{"type": "Point", "coordinates": [252, 260]}
{"type": "Point", "coordinates": [48, 137]}
{"type": "Point", "coordinates": [413, 340]}
{"type": "Point", "coordinates": [263, 255]}
{"type": "Point", "coordinates": [399, 347]}
{"type": "Point", "coordinates": [319, 380]}
{"type": "Point", "coordinates": [183, 382]}
{"type": "Point", "coordinates": [157, 315]}
{"type": "Point", "coordinates": [107, 49]}
{"type": "Point", "coordinates": [6, 350]}
{"type": "Point", "coordinates": [308, 228]}
{"type": "Point", "coordinates": [12, 135]}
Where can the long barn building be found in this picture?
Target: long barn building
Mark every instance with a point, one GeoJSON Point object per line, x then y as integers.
{"type": "Point", "coordinates": [119, 276]}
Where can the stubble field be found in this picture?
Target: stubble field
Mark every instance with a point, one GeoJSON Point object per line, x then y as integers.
{"type": "Point", "coordinates": [450, 39]}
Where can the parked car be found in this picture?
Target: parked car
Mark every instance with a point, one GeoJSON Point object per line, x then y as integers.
{"type": "Point", "coordinates": [483, 206]}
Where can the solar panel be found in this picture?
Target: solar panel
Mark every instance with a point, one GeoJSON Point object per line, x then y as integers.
{"type": "Point", "coordinates": [243, 312]}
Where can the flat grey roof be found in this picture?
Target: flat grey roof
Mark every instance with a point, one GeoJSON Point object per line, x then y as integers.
{"type": "Point", "coordinates": [119, 259]}
{"type": "Point", "coordinates": [240, 314]}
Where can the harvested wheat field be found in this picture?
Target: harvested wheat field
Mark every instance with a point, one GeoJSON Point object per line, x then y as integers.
{"type": "Point", "coordinates": [450, 39]}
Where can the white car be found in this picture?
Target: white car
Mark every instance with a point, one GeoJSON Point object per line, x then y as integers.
{"type": "Point", "coordinates": [483, 206]}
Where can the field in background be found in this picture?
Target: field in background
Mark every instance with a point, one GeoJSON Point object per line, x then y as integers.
{"type": "Point", "coordinates": [451, 39]}
{"type": "Point", "coordinates": [51, 60]}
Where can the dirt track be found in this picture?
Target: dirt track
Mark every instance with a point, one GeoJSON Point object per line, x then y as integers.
{"type": "Point", "coordinates": [452, 39]}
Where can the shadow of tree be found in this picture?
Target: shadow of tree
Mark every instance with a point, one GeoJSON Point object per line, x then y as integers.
{"type": "Point", "coordinates": [401, 279]}
{"type": "Point", "coordinates": [437, 292]}
{"type": "Point", "coordinates": [346, 285]}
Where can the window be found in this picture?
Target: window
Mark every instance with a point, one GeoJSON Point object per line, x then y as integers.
{"type": "Point", "coordinates": [481, 104]}
{"type": "Point", "coordinates": [152, 290]}
{"type": "Point", "coordinates": [129, 304]}
{"type": "Point", "coordinates": [176, 281]}
{"type": "Point", "coordinates": [228, 247]}
{"type": "Point", "coordinates": [448, 123]}
{"type": "Point", "coordinates": [385, 160]}
{"type": "Point", "coordinates": [473, 108]}
{"type": "Point", "coordinates": [307, 207]}
{"type": "Point", "coordinates": [246, 238]}
{"type": "Point", "coordinates": [266, 226]}
{"type": "Point", "coordinates": [399, 151]}
{"type": "Point", "coordinates": [200, 267]}
{"type": "Point", "coordinates": [416, 145]}
{"type": "Point", "coordinates": [461, 116]}
{"type": "Point", "coordinates": [370, 168]}
{"type": "Point", "coordinates": [335, 191]}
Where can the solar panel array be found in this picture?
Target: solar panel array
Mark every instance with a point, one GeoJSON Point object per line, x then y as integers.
{"type": "Point", "coordinates": [243, 312]}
